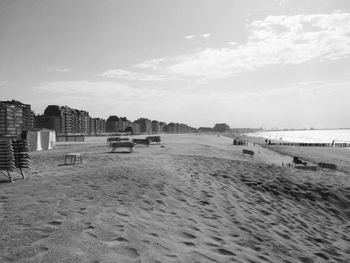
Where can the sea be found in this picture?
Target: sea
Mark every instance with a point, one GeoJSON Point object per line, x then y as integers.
{"type": "Point", "coordinates": [307, 136]}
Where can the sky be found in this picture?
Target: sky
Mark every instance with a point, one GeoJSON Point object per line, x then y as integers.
{"type": "Point", "coordinates": [247, 63]}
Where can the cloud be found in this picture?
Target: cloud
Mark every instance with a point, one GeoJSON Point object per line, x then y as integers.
{"type": "Point", "coordinates": [189, 36]}
{"type": "Point", "coordinates": [96, 95]}
{"type": "Point", "coordinates": [151, 64]}
{"type": "Point", "coordinates": [104, 98]}
{"type": "Point", "coordinates": [59, 69]}
{"type": "Point", "coordinates": [233, 43]}
{"type": "Point", "coordinates": [281, 2]}
{"type": "Point", "coordinates": [129, 75]}
{"type": "Point", "coordinates": [276, 40]}
{"type": "Point", "coordinates": [206, 35]}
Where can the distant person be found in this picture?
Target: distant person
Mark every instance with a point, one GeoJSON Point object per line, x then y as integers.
{"type": "Point", "coordinates": [269, 142]}
{"type": "Point", "coordinates": [265, 141]}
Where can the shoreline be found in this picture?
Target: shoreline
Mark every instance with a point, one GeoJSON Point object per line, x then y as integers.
{"type": "Point", "coordinates": [340, 156]}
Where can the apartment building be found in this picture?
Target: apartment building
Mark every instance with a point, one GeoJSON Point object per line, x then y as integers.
{"type": "Point", "coordinates": [97, 126]}
{"type": "Point", "coordinates": [155, 127]}
{"type": "Point", "coordinates": [145, 125]}
{"type": "Point", "coordinates": [64, 120]}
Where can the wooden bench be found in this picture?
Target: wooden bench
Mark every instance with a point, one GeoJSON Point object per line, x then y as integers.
{"type": "Point", "coordinates": [73, 157]}
{"type": "Point", "coordinates": [146, 142]}
{"type": "Point", "coordinates": [117, 139]}
{"type": "Point", "coordinates": [116, 145]}
{"type": "Point", "coordinates": [154, 139]}
{"type": "Point", "coordinates": [248, 152]}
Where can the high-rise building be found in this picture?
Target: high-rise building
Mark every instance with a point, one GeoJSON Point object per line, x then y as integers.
{"type": "Point", "coordinates": [145, 125]}
{"type": "Point", "coordinates": [172, 127]}
{"type": "Point", "coordinates": [97, 126]}
{"type": "Point", "coordinates": [117, 124]}
{"type": "Point", "coordinates": [136, 127]}
{"type": "Point", "coordinates": [155, 127]}
{"type": "Point", "coordinates": [113, 124]}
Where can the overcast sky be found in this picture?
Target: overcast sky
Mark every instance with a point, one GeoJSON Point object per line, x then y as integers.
{"type": "Point", "coordinates": [249, 63]}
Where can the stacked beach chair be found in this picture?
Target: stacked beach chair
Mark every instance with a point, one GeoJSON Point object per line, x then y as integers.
{"type": "Point", "coordinates": [14, 156]}
{"type": "Point", "coordinates": [7, 162]}
{"type": "Point", "coordinates": [22, 155]}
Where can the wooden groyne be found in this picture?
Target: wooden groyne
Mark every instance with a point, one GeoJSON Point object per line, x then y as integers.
{"type": "Point", "coordinates": [310, 144]}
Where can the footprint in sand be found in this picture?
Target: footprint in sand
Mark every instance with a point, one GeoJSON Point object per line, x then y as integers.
{"type": "Point", "coordinates": [129, 252]}
{"type": "Point", "coordinates": [122, 214]}
{"type": "Point", "coordinates": [39, 252]}
{"type": "Point", "coordinates": [116, 242]}
{"type": "Point", "coordinates": [189, 244]}
{"type": "Point", "coordinates": [171, 256]}
{"type": "Point", "coordinates": [44, 201]}
{"type": "Point", "coordinates": [195, 228]}
{"type": "Point", "coordinates": [306, 260]}
{"type": "Point", "coordinates": [218, 239]}
{"type": "Point", "coordinates": [121, 239]}
{"type": "Point", "coordinates": [89, 226]}
{"type": "Point", "coordinates": [43, 250]}
{"type": "Point", "coordinates": [204, 202]}
{"type": "Point", "coordinates": [225, 252]}
{"type": "Point", "coordinates": [89, 234]}
{"type": "Point", "coordinates": [211, 245]}
{"type": "Point", "coordinates": [187, 235]}
{"type": "Point", "coordinates": [160, 202]}
{"type": "Point", "coordinates": [55, 223]}
{"type": "Point", "coordinates": [62, 214]}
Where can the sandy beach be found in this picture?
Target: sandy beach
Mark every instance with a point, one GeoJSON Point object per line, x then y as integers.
{"type": "Point", "coordinates": [194, 198]}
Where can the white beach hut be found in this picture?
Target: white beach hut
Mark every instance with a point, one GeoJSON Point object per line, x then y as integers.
{"type": "Point", "coordinates": [42, 140]}
{"type": "Point", "coordinates": [48, 139]}
{"type": "Point", "coordinates": [34, 138]}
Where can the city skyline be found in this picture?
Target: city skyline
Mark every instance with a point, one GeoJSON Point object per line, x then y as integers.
{"type": "Point", "coordinates": [256, 63]}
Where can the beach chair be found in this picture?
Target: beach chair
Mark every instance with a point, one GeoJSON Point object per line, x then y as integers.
{"type": "Point", "coordinates": [14, 157]}
{"type": "Point", "coordinates": [73, 157]}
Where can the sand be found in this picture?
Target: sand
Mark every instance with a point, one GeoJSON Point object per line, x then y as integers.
{"type": "Point", "coordinates": [196, 199]}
